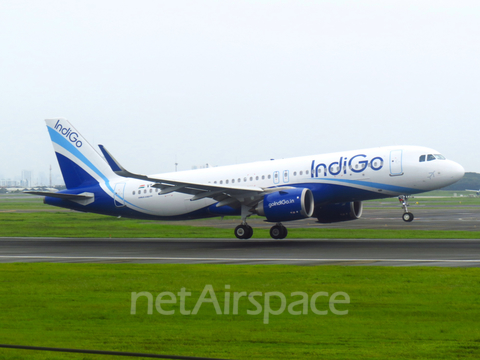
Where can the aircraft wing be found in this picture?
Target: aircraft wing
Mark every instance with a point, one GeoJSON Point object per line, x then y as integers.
{"type": "Point", "coordinates": [225, 195]}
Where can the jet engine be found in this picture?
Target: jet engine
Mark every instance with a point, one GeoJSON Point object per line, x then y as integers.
{"type": "Point", "coordinates": [286, 205]}
{"type": "Point", "coordinates": [339, 212]}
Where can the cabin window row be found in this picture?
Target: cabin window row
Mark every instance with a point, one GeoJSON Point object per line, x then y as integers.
{"type": "Point", "coordinates": [139, 192]}
{"type": "Point", "coordinates": [239, 180]}
{"type": "Point", "coordinates": [251, 178]}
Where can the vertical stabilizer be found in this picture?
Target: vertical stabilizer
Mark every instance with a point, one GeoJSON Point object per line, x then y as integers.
{"type": "Point", "coordinates": [80, 164]}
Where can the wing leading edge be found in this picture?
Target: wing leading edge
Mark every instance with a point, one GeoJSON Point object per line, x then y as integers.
{"type": "Point", "coordinates": [225, 195]}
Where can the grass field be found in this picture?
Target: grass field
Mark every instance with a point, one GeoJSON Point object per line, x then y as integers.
{"type": "Point", "coordinates": [27, 216]}
{"type": "Point", "coordinates": [394, 313]}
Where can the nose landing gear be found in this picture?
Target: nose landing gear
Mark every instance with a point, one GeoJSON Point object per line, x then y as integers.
{"type": "Point", "coordinates": [407, 216]}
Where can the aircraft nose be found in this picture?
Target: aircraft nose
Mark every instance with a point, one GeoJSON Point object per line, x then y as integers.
{"type": "Point", "coordinates": [457, 171]}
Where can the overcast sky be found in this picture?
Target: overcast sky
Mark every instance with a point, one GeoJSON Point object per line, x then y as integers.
{"type": "Point", "coordinates": [225, 82]}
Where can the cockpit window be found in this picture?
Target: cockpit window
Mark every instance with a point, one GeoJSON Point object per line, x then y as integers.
{"type": "Point", "coordinates": [431, 157]}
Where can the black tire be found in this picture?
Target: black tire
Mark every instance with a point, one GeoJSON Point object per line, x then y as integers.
{"type": "Point", "coordinates": [243, 232]}
{"type": "Point", "coordinates": [278, 232]}
{"type": "Point", "coordinates": [408, 217]}
{"type": "Point", "coordinates": [249, 232]}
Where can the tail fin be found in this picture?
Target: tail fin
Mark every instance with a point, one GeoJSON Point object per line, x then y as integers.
{"type": "Point", "coordinates": [80, 164]}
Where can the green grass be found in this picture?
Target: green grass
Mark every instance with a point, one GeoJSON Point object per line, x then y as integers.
{"type": "Point", "coordinates": [394, 313]}
{"type": "Point", "coordinates": [74, 224]}
{"type": "Point", "coordinates": [34, 222]}
{"type": "Point", "coordinates": [21, 202]}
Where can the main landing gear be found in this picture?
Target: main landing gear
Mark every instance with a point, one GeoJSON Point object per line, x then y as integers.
{"type": "Point", "coordinates": [407, 216]}
{"type": "Point", "coordinates": [278, 231]}
{"type": "Point", "coordinates": [245, 231]}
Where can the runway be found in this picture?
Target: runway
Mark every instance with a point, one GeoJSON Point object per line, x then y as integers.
{"type": "Point", "coordinates": [452, 253]}
{"type": "Point", "coordinates": [405, 252]}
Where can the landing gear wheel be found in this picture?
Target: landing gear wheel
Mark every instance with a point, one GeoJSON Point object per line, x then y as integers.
{"type": "Point", "coordinates": [408, 217]}
{"type": "Point", "coordinates": [250, 232]}
{"type": "Point", "coordinates": [243, 231]}
{"type": "Point", "coordinates": [278, 232]}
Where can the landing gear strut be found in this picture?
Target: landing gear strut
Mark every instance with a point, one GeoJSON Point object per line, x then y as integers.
{"type": "Point", "coordinates": [278, 231]}
{"type": "Point", "coordinates": [244, 231]}
{"type": "Point", "coordinates": [407, 216]}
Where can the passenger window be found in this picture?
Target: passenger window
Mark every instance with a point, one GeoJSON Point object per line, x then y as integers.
{"type": "Point", "coordinates": [301, 172]}
{"type": "Point", "coordinates": [221, 181]}
{"type": "Point", "coordinates": [239, 180]}
{"type": "Point", "coordinates": [422, 158]}
{"type": "Point", "coordinates": [133, 192]}
{"type": "Point", "coordinates": [269, 177]}
{"type": "Point", "coordinates": [263, 177]}
{"type": "Point", "coordinates": [226, 181]}
{"type": "Point", "coordinates": [233, 181]}
{"type": "Point", "coordinates": [306, 172]}
{"type": "Point", "coordinates": [430, 157]}
{"type": "Point", "coordinates": [256, 178]}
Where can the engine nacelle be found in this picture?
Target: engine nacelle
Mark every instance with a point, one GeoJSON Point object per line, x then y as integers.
{"type": "Point", "coordinates": [339, 212]}
{"type": "Point", "coordinates": [286, 205]}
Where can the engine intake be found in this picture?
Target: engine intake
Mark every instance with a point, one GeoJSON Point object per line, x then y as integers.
{"type": "Point", "coordinates": [339, 212]}
{"type": "Point", "coordinates": [286, 205]}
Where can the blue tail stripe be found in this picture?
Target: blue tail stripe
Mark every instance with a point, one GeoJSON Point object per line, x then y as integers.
{"type": "Point", "coordinates": [60, 140]}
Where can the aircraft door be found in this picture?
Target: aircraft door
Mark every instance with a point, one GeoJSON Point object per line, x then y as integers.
{"type": "Point", "coordinates": [286, 177]}
{"type": "Point", "coordinates": [276, 177]}
{"type": "Point", "coordinates": [119, 196]}
{"type": "Point", "coordinates": [396, 167]}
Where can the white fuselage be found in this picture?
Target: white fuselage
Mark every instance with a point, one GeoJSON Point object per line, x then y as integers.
{"type": "Point", "coordinates": [351, 175]}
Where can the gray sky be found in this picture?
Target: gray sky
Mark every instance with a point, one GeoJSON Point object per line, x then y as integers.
{"type": "Point", "coordinates": [226, 82]}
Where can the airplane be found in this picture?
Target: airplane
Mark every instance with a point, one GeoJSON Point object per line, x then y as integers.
{"type": "Point", "coordinates": [330, 187]}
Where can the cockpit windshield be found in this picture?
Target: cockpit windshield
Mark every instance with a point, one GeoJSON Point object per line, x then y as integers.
{"type": "Point", "coordinates": [431, 157]}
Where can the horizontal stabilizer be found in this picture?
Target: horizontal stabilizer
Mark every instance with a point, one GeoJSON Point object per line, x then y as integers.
{"type": "Point", "coordinates": [83, 198]}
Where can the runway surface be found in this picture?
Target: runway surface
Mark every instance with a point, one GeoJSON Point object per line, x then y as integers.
{"type": "Point", "coordinates": [288, 251]}
{"type": "Point", "coordinates": [453, 253]}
